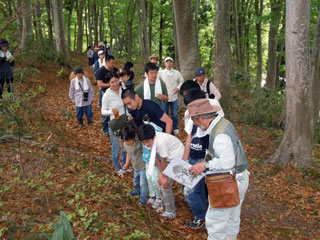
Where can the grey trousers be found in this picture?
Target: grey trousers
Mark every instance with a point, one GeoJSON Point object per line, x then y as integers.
{"type": "Point", "coordinates": [167, 197]}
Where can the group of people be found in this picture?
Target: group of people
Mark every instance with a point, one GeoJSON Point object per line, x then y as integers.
{"type": "Point", "coordinates": [144, 136]}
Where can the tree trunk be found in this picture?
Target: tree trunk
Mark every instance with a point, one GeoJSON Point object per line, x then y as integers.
{"type": "Point", "coordinates": [296, 144]}
{"type": "Point", "coordinates": [187, 39]}
{"type": "Point", "coordinates": [89, 23]}
{"type": "Point", "coordinates": [80, 26]}
{"type": "Point", "coordinates": [258, 5]}
{"type": "Point", "coordinates": [69, 9]}
{"type": "Point", "coordinates": [222, 49]}
{"type": "Point", "coordinates": [38, 14]}
{"type": "Point", "coordinates": [236, 31]}
{"type": "Point", "coordinates": [143, 30]}
{"type": "Point", "coordinates": [149, 29]}
{"type": "Point", "coordinates": [162, 2]}
{"type": "Point", "coordinates": [59, 30]}
{"type": "Point", "coordinates": [101, 24]}
{"type": "Point", "coordinates": [48, 9]}
{"type": "Point", "coordinates": [315, 73]}
{"type": "Point", "coordinates": [176, 50]}
{"type": "Point", "coordinates": [130, 14]}
{"type": "Point", "coordinates": [95, 23]}
{"type": "Point", "coordinates": [276, 6]}
{"type": "Point", "coordinates": [27, 34]}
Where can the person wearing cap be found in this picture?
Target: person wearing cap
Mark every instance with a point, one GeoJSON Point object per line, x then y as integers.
{"type": "Point", "coordinates": [99, 63]}
{"type": "Point", "coordinates": [173, 80]}
{"type": "Point", "coordinates": [206, 86]}
{"type": "Point", "coordinates": [152, 88]}
{"type": "Point", "coordinates": [95, 54]}
{"type": "Point", "coordinates": [155, 59]}
{"type": "Point", "coordinates": [81, 94]}
{"type": "Point", "coordinates": [6, 64]}
{"type": "Point", "coordinates": [90, 56]}
{"type": "Point", "coordinates": [224, 145]}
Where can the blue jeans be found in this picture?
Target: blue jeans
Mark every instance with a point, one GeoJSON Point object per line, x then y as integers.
{"type": "Point", "coordinates": [116, 150]}
{"type": "Point", "coordinates": [85, 109]}
{"type": "Point", "coordinates": [197, 197]}
{"type": "Point", "coordinates": [174, 111]}
{"type": "Point", "coordinates": [140, 184]}
{"type": "Point", "coordinates": [100, 97]}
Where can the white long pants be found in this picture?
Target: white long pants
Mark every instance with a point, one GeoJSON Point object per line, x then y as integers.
{"type": "Point", "coordinates": [224, 223]}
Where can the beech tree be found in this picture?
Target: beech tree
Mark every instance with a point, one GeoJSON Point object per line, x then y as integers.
{"type": "Point", "coordinates": [26, 19]}
{"type": "Point", "coordinates": [189, 58]}
{"type": "Point", "coordinates": [296, 144]}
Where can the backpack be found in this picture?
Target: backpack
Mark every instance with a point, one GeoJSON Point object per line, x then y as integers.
{"type": "Point", "coordinates": [212, 96]}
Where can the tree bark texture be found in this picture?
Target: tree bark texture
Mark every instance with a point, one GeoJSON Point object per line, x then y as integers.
{"type": "Point", "coordinates": [59, 30]}
{"type": "Point", "coordinates": [258, 5]}
{"type": "Point", "coordinates": [222, 49]}
{"type": "Point", "coordinates": [38, 14]}
{"type": "Point", "coordinates": [80, 26]}
{"type": "Point", "coordinates": [26, 34]}
{"type": "Point", "coordinates": [189, 58]}
{"type": "Point", "coordinates": [296, 144]}
{"type": "Point", "coordinates": [176, 51]}
{"type": "Point", "coordinates": [276, 9]}
{"type": "Point", "coordinates": [89, 23]}
{"type": "Point", "coordinates": [48, 9]}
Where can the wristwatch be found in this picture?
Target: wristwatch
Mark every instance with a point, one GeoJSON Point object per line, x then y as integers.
{"type": "Point", "coordinates": [206, 165]}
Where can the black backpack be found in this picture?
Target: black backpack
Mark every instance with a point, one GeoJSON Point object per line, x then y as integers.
{"type": "Point", "coordinates": [212, 96]}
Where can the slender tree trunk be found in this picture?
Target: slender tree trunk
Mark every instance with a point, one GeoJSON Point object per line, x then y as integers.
{"type": "Point", "coordinates": [95, 23]}
{"type": "Point", "coordinates": [150, 16]}
{"type": "Point", "coordinates": [176, 49]}
{"type": "Point", "coordinates": [187, 40]}
{"type": "Point", "coordinates": [89, 23]}
{"type": "Point", "coordinates": [276, 6]}
{"type": "Point", "coordinates": [27, 34]}
{"type": "Point", "coordinates": [70, 8]}
{"type": "Point", "coordinates": [258, 5]}
{"type": "Point", "coordinates": [59, 30]}
{"type": "Point", "coordinates": [296, 144]}
{"type": "Point", "coordinates": [315, 73]}
{"type": "Point", "coordinates": [80, 26]}
{"type": "Point", "coordinates": [222, 49]}
{"type": "Point", "coordinates": [162, 2]}
{"type": "Point", "coordinates": [236, 31]}
{"type": "Point", "coordinates": [281, 43]}
{"type": "Point", "coordinates": [48, 9]}
{"type": "Point", "coordinates": [38, 14]}
{"type": "Point", "coordinates": [247, 35]}
{"type": "Point", "coordinates": [102, 24]}
{"type": "Point", "coordinates": [130, 14]}
{"type": "Point", "coordinates": [143, 30]}
{"type": "Point", "coordinates": [9, 2]}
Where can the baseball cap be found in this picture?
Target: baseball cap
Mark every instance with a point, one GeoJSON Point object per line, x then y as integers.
{"type": "Point", "coordinates": [168, 58]}
{"type": "Point", "coordinates": [199, 72]}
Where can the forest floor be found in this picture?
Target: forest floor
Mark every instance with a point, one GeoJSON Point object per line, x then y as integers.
{"type": "Point", "coordinates": [45, 174]}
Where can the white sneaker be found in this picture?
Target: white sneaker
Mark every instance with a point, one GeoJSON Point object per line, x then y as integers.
{"type": "Point", "coordinates": [121, 172]}
{"type": "Point", "coordinates": [176, 131]}
{"type": "Point", "coordinates": [168, 215]}
{"type": "Point", "coordinates": [157, 204]}
{"type": "Point", "coordinates": [127, 170]}
{"type": "Point", "coordinates": [151, 200]}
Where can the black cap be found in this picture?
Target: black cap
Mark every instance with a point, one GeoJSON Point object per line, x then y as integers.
{"type": "Point", "coordinates": [78, 70]}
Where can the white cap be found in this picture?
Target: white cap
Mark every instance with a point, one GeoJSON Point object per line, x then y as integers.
{"type": "Point", "coordinates": [100, 52]}
{"type": "Point", "coordinates": [168, 58]}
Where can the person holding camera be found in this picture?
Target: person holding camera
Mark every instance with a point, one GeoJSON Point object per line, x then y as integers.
{"type": "Point", "coordinates": [81, 93]}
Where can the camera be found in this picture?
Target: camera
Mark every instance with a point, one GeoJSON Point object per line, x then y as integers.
{"type": "Point", "coordinates": [85, 96]}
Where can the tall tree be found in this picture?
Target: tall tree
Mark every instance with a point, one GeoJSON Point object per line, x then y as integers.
{"type": "Point", "coordinates": [69, 8]}
{"type": "Point", "coordinates": [80, 26]}
{"type": "Point", "coordinates": [59, 30]}
{"type": "Point", "coordinates": [276, 9]}
{"type": "Point", "coordinates": [26, 17]}
{"type": "Point", "coordinates": [48, 9]}
{"type": "Point", "coordinates": [296, 144]}
{"type": "Point", "coordinates": [258, 6]}
{"type": "Point", "coordinates": [187, 39]}
{"type": "Point", "coordinates": [37, 20]}
{"type": "Point", "coordinates": [222, 49]}
{"type": "Point", "coordinates": [89, 23]}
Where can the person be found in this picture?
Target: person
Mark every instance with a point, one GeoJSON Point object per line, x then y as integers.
{"type": "Point", "coordinates": [133, 147]}
{"type": "Point", "coordinates": [196, 144]}
{"type": "Point", "coordinates": [113, 107]}
{"type": "Point", "coordinates": [224, 145]}
{"type": "Point", "coordinates": [206, 86]}
{"type": "Point", "coordinates": [152, 88]}
{"type": "Point", "coordinates": [187, 85]}
{"type": "Point", "coordinates": [155, 59]}
{"type": "Point", "coordinates": [173, 80]}
{"type": "Point", "coordinates": [146, 109]}
{"type": "Point", "coordinates": [124, 78]}
{"type": "Point", "coordinates": [90, 56]}
{"type": "Point", "coordinates": [168, 147]}
{"type": "Point", "coordinates": [81, 94]}
{"type": "Point", "coordinates": [99, 63]}
{"type": "Point", "coordinates": [6, 65]}
{"type": "Point", "coordinates": [95, 54]}
{"type": "Point", "coordinates": [128, 69]}
{"type": "Point", "coordinates": [103, 78]}
{"type": "Point", "coordinates": [152, 179]}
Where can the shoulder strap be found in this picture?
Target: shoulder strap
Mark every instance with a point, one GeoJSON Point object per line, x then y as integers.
{"type": "Point", "coordinates": [80, 86]}
{"type": "Point", "coordinates": [208, 87]}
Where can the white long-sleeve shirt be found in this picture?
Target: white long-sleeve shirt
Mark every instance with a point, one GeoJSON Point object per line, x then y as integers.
{"type": "Point", "coordinates": [213, 89]}
{"type": "Point", "coordinates": [173, 79]}
{"type": "Point", "coordinates": [112, 100]}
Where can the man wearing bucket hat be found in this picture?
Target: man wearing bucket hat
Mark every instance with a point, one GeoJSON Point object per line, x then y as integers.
{"type": "Point", "coordinates": [206, 86]}
{"type": "Point", "coordinates": [173, 80]}
{"type": "Point", "coordinates": [155, 59]}
{"type": "Point", "coordinates": [226, 149]}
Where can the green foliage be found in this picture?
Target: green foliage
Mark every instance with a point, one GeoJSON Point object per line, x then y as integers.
{"type": "Point", "coordinates": [20, 74]}
{"type": "Point", "coordinates": [316, 134]}
{"type": "Point", "coordinates": [62, 230]}
{"type": "Point", "coordinates": [258, 106]}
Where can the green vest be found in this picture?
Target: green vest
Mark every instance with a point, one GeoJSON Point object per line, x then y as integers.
{"type": "Point", "coordinates": [226, 127]}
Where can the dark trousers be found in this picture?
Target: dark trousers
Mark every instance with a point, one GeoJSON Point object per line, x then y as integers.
{"type": "Point", "coordinates": [84, 110]}
{"type": "Point", "coordinates": [9, 82]}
